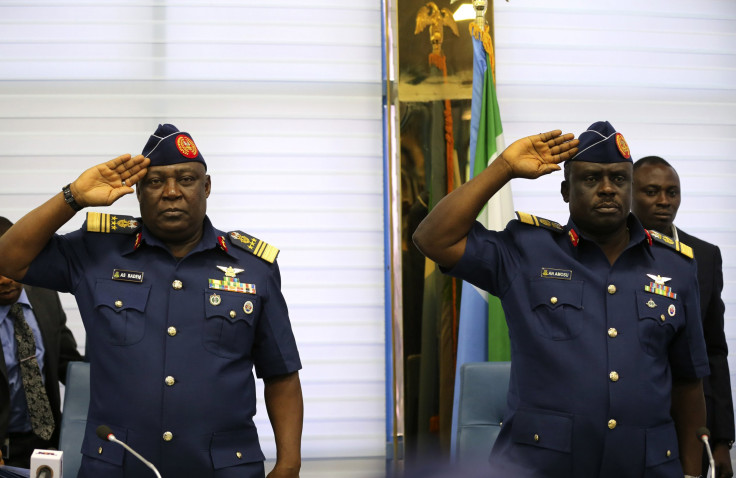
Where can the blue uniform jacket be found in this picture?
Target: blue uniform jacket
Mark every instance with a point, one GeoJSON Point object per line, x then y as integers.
{"type": "Point", "coordinates": [171, 353]}
{"type": "Point", "coordinates": [594, 348]}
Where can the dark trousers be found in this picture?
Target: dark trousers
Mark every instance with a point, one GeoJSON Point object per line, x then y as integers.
{"type": "Point", "coordinates": [20, 448]}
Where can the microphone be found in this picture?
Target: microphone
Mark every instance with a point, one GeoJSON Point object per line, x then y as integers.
{"type": "Point", "coordinates": [703, 435]}
{"type": "Point", "coordinates": [105, 433]}
{"type": "Point", "coordinates": [44, 472]}
{"type": "Point", "coordinates": [46, 463]}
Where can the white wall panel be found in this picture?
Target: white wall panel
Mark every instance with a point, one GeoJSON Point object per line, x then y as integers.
{"type": "Point", "coordinates": [285, 104]}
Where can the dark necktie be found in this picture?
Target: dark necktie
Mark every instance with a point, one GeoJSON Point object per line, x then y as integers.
{"type": "Point", "coordinates": [42, 420]}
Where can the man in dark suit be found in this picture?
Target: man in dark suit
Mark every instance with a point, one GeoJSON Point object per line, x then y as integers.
{"type": "Point", "coordinates": [42, 311]}
{"type": "Point", "coordinates": [655, 202]}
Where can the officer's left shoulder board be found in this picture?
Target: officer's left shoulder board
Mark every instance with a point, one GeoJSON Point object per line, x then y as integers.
{"type": "Point", "coordinates": [112, 223]}
{"type": "Point", "coordinates": [660, 238]}
{"type": "Point", "coordinates": [255, 246]}
{"type": "Point", "coordinates": [532, 220]}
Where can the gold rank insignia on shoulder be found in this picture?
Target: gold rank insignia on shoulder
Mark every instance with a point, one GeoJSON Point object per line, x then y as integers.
{"type": "Point", "coordinates": [255, 246]}
{"type": "Point", "coordinates": [539, 222]}
{"type": "Point", "coordinates": [660, 238]}
{"type": "Point", "coordinates": [112, 223]}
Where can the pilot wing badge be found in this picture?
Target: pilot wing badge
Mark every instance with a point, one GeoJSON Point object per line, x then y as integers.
{"type": "Point", "coordinates": [658, 286]}
{"type": "Point", "coordinates": [230, 271]}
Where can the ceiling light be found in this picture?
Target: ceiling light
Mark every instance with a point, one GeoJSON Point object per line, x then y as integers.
{"type": "Point", "coordinates": [464, 12]}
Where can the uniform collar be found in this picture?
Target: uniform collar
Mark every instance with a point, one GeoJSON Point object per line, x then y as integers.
{"type": "Point", "coordinates": [211, 239]}
{"type": "Point", "coordinates": [637, 234]}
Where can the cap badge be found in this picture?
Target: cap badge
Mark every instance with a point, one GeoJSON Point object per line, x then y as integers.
{"type": "Point", "coordinates": [186, 146]}
{"type": "Point", "coordinates": [623, 148]}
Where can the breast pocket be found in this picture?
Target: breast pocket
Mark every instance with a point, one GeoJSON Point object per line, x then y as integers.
{"type": "Point", "coordinates": [557, 307]}
{"type": "Point", "coordinates": [545, 438]}
{"type": "Point", "coordinates": [659, 320]}
{"type": "Point", "coordinates": [229, 323]}
{"type": "Point", "coordinates": [120, 308]}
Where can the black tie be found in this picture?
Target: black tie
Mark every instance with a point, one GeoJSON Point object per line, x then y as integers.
{"type": "Point", "coordinates": [42, 420]}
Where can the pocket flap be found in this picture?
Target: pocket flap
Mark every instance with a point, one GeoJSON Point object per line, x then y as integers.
{"type": "Point", "coordinates": [556, 293]}
{"type": "Point", "coordinates": [99, 449]}
{"type": "Point", "coordinates": [543, 429]}
{"type": "Point", "coordinates": [661, 445]}
{"type": "Point", "coordinates": [662, 310]}
{"type": "Point", "coordinates": [121, 295]}
{"type": "Point", "coordinates": [230, 306]}
{"type": "Point", "coordinates": [235, 447]}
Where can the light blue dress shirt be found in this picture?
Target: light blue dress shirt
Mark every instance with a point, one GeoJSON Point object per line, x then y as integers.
{"type": "Point", "coordinates": [19, 418]}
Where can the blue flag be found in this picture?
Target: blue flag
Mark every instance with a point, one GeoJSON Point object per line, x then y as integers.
{"type": "Point", "coordinates": [482, 333]}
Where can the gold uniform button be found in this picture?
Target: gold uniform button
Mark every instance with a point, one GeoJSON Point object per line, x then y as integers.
{"type": "Point", "coordinates": [536, 437]}
{"type": "Point", "coordinates": [611, 289]}
{"type": "Point", "coordinates": [613, 376]}
{"type": "Point", "coordinates": [239, 455]}
{"type": "Point", "coordinates": [170, 380]}
{"type": "Point", "coordinates": [612, 332]}
{"type": "Point", "coordinates": [177, 284]}
{"type": "Point", "coordinates": [233, 314]}
{"type": "Point", "coordinates": [99, 451]}
{"type": "Point", "coordinates": [171, 331]}
{"type": "Point", "coordinates": [118, 303]}
{"type": "Point", "coordinates": [168, 436]}
{"type": "Point", "coordinates": [668, 453]}
{"type": "Point", "coordinates": [553, 300]}
{"type": "Point", "coordinates": [662, 317]}
{"type": "Point", "coordinates": [612, 424]}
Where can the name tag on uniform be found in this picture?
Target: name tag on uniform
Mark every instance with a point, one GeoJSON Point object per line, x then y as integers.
{"type": "Point", "coordinates": [562, 274]}
{"type": "Point", "coordinates": [128, 276]}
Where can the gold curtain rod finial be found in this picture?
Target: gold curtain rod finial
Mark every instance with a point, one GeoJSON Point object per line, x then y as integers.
{"type": "Point", "coordinates": [480, 7]}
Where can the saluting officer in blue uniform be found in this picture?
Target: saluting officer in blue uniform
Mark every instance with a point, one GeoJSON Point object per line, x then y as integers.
{"type": "Point", "coordinates": [177, 314]}
{"type": "Point", "coordinates": [607, 349]}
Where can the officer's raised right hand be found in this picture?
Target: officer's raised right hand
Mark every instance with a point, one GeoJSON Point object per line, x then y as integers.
{"type": "Point", "coordinates": [539, 154]}
{"type": "Point", "coordinates": [105, 183]}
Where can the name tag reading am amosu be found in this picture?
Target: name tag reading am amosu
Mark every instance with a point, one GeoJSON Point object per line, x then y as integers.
{"type": "Point", "coordinates": [562, 274]}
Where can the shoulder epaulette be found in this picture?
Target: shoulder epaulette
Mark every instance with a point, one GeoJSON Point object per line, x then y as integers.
{"type": "Point", "coordinates": [112, 223]}
{"type": "Point", "coordinates": [683, 249]}
{"type": "Point", "coordinates": [539, 222]}
{"type": "Point", "coordinates": [255, 246]}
